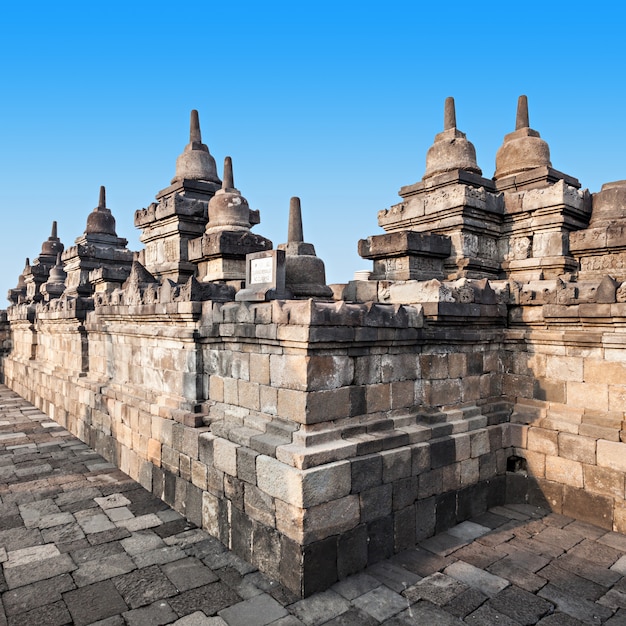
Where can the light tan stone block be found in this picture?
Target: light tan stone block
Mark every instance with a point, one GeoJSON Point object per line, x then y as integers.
{"type": "Point", "coordinates": [249, 395]}
{"type": "Point", "coordinates": [303, 488]}
{"type": "Point", "coordinates": [154, 452]}
{"type": "Point", "coordinates": [603, 480]}
{"type": "Point", "coordinates": [564, 471]}
{"type": "Point", "coordinates": [516, 435]}
{"type": "Point", "coordinates": [225, 456]}
{"type": "Point", "coordinates": [231, 391]}
{"type": "Point", "coordinates": [542, 440]}
{"type": "Point", "coordinates": [199, 474]}
{"type": "Point", "coordinates": [292, 405]}
{"type": "Point", "coordinates": [268, 398]}
{"type": "Point", "coordinates": [260, 368]}
{"type": "Point", "coordinates": [289, 371]}
{"type": "Point", "coordinates": [593, 396]}
{"type": "Point", "coordinates": [216, 388]}
{"type": "Point", "coordinates": [577, 448]}
{"type": "Point", "coordinates": [318, 522]}
{"type": "Point", "coordinates": [566, 368]}
{"type": "Point", "coordinates": [612, 454]}
{"type": "Point", "coordinates": [617, 398]}
{"type": "Point", "coordinates": [608, 372]}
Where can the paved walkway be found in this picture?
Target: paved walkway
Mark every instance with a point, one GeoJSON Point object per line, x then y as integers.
{"type": "Point", "coordinates": [81, 543]}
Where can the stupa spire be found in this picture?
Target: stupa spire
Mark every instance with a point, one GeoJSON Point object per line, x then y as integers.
{"type": "Point", "coordinates": [449, 114]}
{"type": "Point", "coordinates": [521, 121]}
{"type": "Point", "coordinates": [295, 233]}
{"type": "Point", "coordinates": [228, 179]}
{"type": "Point", "coordinates": [53, 234]}
{"type": "Point", "coordinates": [194, 128]}
{"type": "Point", "coordinates": [102, 201]}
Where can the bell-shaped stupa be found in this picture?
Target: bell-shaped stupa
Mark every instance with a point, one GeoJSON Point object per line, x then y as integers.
{"type": "Point", "coordinates": [451, 150]}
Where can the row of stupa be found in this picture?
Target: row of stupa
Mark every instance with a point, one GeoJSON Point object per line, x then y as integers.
{"type": "Point", "coordinates": [452, 224]}
{"type": "Point", "coordinates": [200, 227]}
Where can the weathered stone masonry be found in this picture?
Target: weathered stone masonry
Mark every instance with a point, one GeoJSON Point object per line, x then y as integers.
{"type": "Point", "coordinates": [483, 361]}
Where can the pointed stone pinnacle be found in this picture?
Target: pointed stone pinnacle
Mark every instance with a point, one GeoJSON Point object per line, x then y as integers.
{"type": "Point", "coordinates": [102, 203]}
{"type": "Point", "coordinates": [54, 230]}
{"type": "Point", "coordinates": [194, 128]}
{"type": "Point", "coordinates": [294, 232]}
{"type": "Point", "coordinates": [228, 182]}
{"type": "Point", "coordinates": [449, 115]}
{"type": "Point", "coordinates": [27, 264]}
{"type": "Point", "coordinates": [522, 113]}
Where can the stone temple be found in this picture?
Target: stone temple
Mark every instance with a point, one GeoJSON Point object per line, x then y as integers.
{"type": "Point", "coordinates": [315, 429]}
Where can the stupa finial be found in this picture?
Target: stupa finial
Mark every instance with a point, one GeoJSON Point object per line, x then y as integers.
{"type": "Point", "coordinates": [228, 181]}
{"type": "Point", "coordinates": [102, 201]}
{"type": "Point", "coordinates": [194, 128]}
{"type": "Point", "coordinates": [449, 114]}
{"type": "Point", "coordinates": [53, 234]}
{"type": "Point", "coordinates": [521, 120]}
{"type": "Point", "coordinates": [294, 232]}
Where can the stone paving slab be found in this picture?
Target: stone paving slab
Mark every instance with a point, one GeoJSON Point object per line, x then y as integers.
{"type": "Point", "coordinates": [81, 543]}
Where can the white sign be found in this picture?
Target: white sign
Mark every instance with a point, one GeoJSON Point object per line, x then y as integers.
{"type": "Point", "coordinates": [261, 270]}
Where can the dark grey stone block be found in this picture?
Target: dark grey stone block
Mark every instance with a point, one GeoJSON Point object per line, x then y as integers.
{"type": "Point", "coordinates": [319, 565]}
{"type": "Point", "coordinates": [366, 472]}
{"type": "Point", "coordinates": [352, 551]}
{"type": "Point", "coordinates": [380, 534]}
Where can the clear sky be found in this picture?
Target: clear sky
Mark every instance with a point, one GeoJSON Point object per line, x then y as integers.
{"type": "Point", "coordinates": [335, 102]}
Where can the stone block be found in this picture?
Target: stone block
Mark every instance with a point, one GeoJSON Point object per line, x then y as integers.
{"type": "Point", "coordinates": [225, 456]}
{"type": "Point", "coordinates": [249, 395]}
{"type": "Point", "coordinates": [259, 506]}
{"type": "Point", "coordinates": [565, 368]}
{"type": "Point", "coordinates": [594, 396]}
{"type": "Point", "coordinates": [543, 441]}
{"type": "Point", "coordinates": [246, 464]}
{"type": "Point", "coordinates": [612, 454]}
{"type": "Point", "coordinates": [396, 464]}
{"type": "Point", "coordinates": [564, 471]}
{"type": "Point", "coordinates": [376, 502]}
{"type": "Point", "coordinates": [260, 368]}
{"type": "Point", "coordinates": [425, 518]}
{"type": "Point", "coordinates": [303, 488]}
{"type": "Point", "coordinates": [319, 566]}
{"type": "Point", "coordinates": [588, 507]}
{"type": "Point", "coordinates": [378, 398]}
{"type": "Point", "coordinates": [577, 448]}
{"type": "Point", "coordinates": [292, 405]}
{"type": "Point", "coordinates": [442, 452]}
{"type": "Point", "coordinates": [352, 551]}
{"type": "Point", "coordinates": [420, 455]}
{"type": "Point", "coordinates": [366, 472]}
{"type": "Point", "coordinates": [605, 481]}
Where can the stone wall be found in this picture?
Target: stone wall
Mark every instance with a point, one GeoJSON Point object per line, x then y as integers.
{"type": "Point", "coordinates": [302, 434]}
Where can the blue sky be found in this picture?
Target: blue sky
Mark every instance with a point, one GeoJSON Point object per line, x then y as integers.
{"type": "Point", "coordinates": [334, 102]}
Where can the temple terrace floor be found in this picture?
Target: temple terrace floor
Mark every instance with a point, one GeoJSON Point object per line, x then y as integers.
{"type": "Point", "coordinates": [81, 543]}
